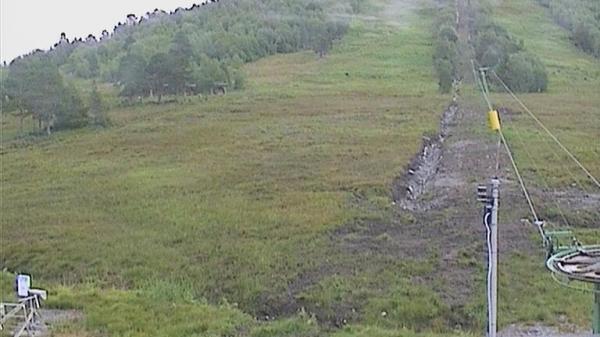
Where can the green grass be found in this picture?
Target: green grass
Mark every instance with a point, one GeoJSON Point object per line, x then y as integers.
{"type": "Point", "coordinates": [177, 209]}
{"type": "Point", "coordinates": [193, 219]}
{"type": "Point", "coordinates": [571, 110]}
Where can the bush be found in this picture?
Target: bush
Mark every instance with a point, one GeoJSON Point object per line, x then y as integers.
{"type": "Point", "coordinates": [72, 113]}
{"type": "Point", "coordinates": [524, 72]}
{"type": "Point", "coordinates": [587, 38]}
{"type": "Point", "coordinates": [445, 73]}
{"type": "Point", "coordinates": [445, 50]}
{"type": "Point", "coordinates": [493, 36]}
{"type": "Point", "coordinates": [445, 55]}
{"type": "Point", "coordinates": [447, 33]}
{"type": "Point", "coordinates": [493, 57]}
{"type": "Point", "coordinates": [497, 49]}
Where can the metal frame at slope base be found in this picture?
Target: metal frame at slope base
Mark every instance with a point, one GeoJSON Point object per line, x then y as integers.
{"type": "Point", "coordinates": [583, 265]}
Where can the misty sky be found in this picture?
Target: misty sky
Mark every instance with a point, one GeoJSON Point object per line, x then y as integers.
{"type": "Point", "coordinates": [31, 24]}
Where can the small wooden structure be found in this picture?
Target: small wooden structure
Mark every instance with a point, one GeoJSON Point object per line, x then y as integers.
{"type": "Point", "coordinates": [21, 317]}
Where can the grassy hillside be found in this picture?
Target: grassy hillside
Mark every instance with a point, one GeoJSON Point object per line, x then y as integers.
{"type": "Point", "coordinates": [571, 109]}
{"type": "Point", "coordinates": [233, 199]}
{"type": "Point", "coordinates": [224, 215]}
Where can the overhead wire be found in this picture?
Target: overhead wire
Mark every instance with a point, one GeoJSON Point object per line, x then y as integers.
{"type": "Point", "coordinates": [489, 104]}
{"type": "Point", "coordinates": [553, 151]}
{"type": "Point", "coordinates": [569, 153]}
{"type": "Point", "coordinates": [533, 162]}
{"type": "Point", "coordinates": [502, 141]}
{"type": "Point", "coordinates": [529, 156]}
{"type": "Point", "coordinates": [519, 177]}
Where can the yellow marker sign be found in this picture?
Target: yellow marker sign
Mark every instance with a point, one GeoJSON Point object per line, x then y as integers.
{"type": "Point", "coordinates": [494, 120]}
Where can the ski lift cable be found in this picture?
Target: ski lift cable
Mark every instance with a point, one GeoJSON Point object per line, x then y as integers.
{"type": "Point", "coordinates": [519, 177]}
{"type": "Point", "coordinates": [518, 135]}
{"type": "Point", "coordinates": [509, 152]}
{"type": "Point", "coordinates": [481, 87]}
{"type": "Point", "coordinates": [569, 153]}
{"type": "Point", "coordinates": [529, 155]}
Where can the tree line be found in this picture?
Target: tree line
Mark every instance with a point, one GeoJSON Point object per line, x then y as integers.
{"type": "Point", "coordinates": [446, 55]}
{"type": "Point", "coordinates": [186, 52]}
{"type": "Point", "coordinates": [492, 45]}
{"type": "Point", "coordinates": [497, 49]}
{"type": "Point", "coordinates": [196, 51]}
{"type": "Point", "coordinates": [581, 18]}
{"type": "Point", "coordinates": [34, 87]}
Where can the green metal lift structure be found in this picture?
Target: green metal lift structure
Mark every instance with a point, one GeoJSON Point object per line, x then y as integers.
{"type": "Point", "coordinates": [570, 262]}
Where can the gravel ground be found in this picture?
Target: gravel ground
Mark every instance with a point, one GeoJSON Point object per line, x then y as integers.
{"type": "Point", "coordinates": [540, 331]}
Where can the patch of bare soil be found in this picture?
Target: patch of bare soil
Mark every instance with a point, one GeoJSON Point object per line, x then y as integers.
{"type": "Point", "coordinates": [439, 191]}
{"type": "Point", "coordinates": [438, 220]}
{"type": "Point", "coordinates": [423, 169]}
{"type": "Point", "coordinates": [48, 318]}
{"type": "Point", "coordinates": [538, 331]}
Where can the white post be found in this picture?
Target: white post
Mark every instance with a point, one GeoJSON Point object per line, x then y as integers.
{"type": "Point", "coordinates": [493, 310]}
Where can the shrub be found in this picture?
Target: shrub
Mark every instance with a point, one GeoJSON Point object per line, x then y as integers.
{"type": "Point", "coordinates": [587, 38]}
{"type": "Point", "coordinates": [493, 57]}
{"type": "Point", "coordinates": [445, 55]}
{"type": "Point", "coordinates": [445, 72]}
{"type": "Point", "coordinates": [497, 49]}
{"type": "Point", "coordinates": [447, 33]}
{"type": "Point", "coordinates": [524, 72]}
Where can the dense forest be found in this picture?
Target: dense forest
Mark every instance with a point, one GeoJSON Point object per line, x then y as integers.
{"type": "Point", "coordinates": [581, 18]}
{"type": "Point", "coordinates": [188, 51]}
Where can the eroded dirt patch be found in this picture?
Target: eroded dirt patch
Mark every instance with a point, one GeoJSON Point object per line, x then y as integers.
{"type": "Point", "coordinates": [423, 170]}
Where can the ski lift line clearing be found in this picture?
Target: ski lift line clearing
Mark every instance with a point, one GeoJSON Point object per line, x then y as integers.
{"type": "Point", "coordinates": [575, 262]}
